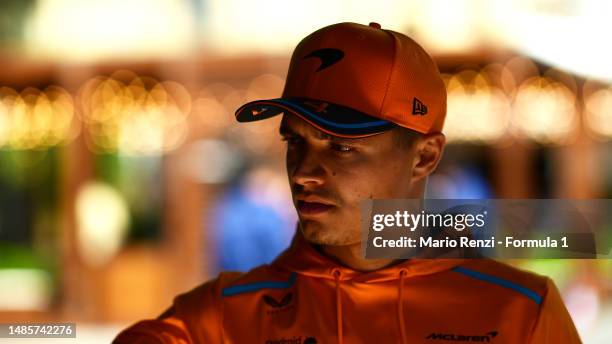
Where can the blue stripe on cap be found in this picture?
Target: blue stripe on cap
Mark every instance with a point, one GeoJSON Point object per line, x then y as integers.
{"type": "Point", "coordinates": [245, 288]}
{"type": "Point", "coordinates": [330, 123]}
{"type": "Point", "coordinates": [499, 281]}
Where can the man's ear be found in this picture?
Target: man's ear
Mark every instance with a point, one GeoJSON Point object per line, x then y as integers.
{"type": "Point", "coordinates": [428, 151]}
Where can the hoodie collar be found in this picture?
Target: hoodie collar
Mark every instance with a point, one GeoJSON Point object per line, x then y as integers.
{"type": "Point", "coordinates": [304, 259]}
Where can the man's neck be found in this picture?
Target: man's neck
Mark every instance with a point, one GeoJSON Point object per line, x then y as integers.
{"type": "Point", "coordinates": [351, 257]}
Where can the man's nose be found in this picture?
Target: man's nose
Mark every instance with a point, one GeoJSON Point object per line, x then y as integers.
{"type": "Point", "coordinates": [308, 169]}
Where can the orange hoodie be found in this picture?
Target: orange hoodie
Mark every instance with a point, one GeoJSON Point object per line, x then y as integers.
{"type": "Point", "coordinates": [305, 298]}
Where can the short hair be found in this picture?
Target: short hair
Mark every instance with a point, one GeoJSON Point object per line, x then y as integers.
{"type": "Point", "coordinates": [404, 137]}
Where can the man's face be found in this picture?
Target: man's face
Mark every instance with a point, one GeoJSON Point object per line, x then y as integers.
{"type": "Point", "coordinates": [329, 177]}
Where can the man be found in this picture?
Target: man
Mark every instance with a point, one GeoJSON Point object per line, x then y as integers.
{"type": "Point", "coordinates": [363, 109]}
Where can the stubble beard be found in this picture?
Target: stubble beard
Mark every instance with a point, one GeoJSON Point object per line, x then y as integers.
{"type": "Point", "coordinates": [339, 233]}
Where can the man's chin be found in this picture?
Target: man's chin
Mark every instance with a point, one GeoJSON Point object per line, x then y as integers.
{"type": "Point", "coordinates": [319, 233]}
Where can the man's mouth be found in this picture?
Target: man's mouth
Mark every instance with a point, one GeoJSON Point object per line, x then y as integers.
{"type": "Point", "coordinates": [312, 208]}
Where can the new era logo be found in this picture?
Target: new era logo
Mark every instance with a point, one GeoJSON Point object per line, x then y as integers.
{"type": "Point", "coordinates": [418, 108]}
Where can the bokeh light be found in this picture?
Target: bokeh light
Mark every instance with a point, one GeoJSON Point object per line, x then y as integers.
{"type": "Point", "coordinates": [35, 119]}
{"type": "Point", "coordinates": [102, 218]}
{"type": "Point", "coordinates": [545, 111]}
{"type": "Point", "coordinates": [477, 110]}
{"type": "Point", "coordinates": [137, 116]}
{"type": "Point", "coordinates": [34, 292]}
{"type": "Point", "coordinates": [598, 112]}
{"type": "Point", "coordinates": [73, 30]}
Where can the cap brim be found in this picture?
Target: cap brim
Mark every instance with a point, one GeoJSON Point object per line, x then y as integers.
{"type": "Point", "coordinates": [331, 118]}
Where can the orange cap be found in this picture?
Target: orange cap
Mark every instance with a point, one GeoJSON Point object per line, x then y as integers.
{"type": "Point", "coordinates": [353, 80]}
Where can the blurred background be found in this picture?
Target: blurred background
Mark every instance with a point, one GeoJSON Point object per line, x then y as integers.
{"type": "Point", "coordinates": [124, 177]}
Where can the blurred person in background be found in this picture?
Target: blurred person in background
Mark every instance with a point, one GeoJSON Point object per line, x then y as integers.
{"type": "Point", "coordinates": [363, 110]}
{"type": "Point", "coordinates": [251, 214]}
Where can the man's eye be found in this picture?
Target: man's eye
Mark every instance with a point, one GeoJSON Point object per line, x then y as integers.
{"type": "Point", "coordinates": [340, 148]}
